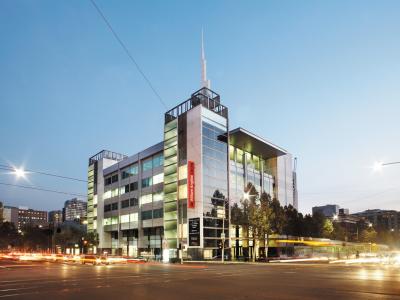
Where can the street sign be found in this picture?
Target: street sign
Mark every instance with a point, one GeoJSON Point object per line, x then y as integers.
{"type": "Point", "coordinates": [194, 232]}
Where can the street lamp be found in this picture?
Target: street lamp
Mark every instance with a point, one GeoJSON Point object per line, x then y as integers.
{"type": "Point", "coordinates": [19, 172]}
{"type": "Point", "coordinates": [378, 166]}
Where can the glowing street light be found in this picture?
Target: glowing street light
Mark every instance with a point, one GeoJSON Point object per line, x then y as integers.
{"type": "Point", "coordinates": [247, 195]}
{"type": "Point", "coordinates": [19, 172]}
{"type": "Point", "coordinates": [378, 166]}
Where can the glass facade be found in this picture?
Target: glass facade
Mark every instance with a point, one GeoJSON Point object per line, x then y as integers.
{"type": "Point", "coordinates": [91, 205]}
{"type": "Point", "coordinates": [215, 185]}
{"type": "Point", "coordinates": [247, 168]}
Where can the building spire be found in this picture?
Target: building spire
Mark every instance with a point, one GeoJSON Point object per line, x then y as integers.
{"type": "Point", "coordinates": [204, 81]}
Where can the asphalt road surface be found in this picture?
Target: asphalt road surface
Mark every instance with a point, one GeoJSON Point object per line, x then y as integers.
{"type": "Point", "coordinates": [197, 281]}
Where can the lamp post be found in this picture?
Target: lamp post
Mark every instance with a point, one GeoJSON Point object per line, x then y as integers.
{"type": "Point", "coordinates": [379, 165]}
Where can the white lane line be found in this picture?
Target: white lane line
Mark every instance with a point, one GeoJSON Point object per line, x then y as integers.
{"type": "Point", "coordinates": [15, 295]}
{"type": "Point", "coordinates": [27, 288]}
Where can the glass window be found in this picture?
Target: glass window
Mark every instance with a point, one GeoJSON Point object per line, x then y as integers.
{"type": "Point", "coordinates": [107, 207]}
{"type": "Point", "coordinates": [107, 221]}
{"type": "Point", "coordinates": [239, 156]}
{"type": "Point", "coordinates": [107, 181]}
{"type": "Point", "coordinates": [114, 206]}
{"type": "Point", "coordinates": [125, 203]}
{"type": "Point", "coordinates": [146, 182]}
{"type": "Point", "coordinates": [158, 196]}
{"type": "Point", "coordinates": [157, 213]}
{"type": "Point", "coordinates": [114, 178]}
{"type": "Point", "coordinates": [183, 172]}
{"type": "Point", "coordinates": [158, 160]}
{"type": "Point", "coordinates": [130, 171]}
{"type": "Point", "coordinates": [107, 195]}
{"type": "Point", "coordinates": [183, 191]}
{"type": "Point", "coordinates": [158, 178]}
{"type": "Point", "coordinates": [147, 164]}
{"type": "Point", "coordinates": [133, 217]}
{"type": "Point", "coordinates": [146, 215]}
{"type": "Point", "coordinates": [124, 219]}
{"type": "Point", "coordinates": [133, 202]}
{"type": "Point", "coordinates": [146, 199]}
{"type": "Point", "coordinates": [114, 192]}
{"type": "Point", "coordinates": [114, 220]}
{"type": "Point", "coordinates": [122, 190]}
{"type": "Point", "coordinates": [133, 186]}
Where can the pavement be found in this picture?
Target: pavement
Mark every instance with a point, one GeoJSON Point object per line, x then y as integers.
{"type": "Point", "coordinates": [46, 280]}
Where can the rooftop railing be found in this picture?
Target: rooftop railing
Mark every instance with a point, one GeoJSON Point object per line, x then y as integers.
{"type": "Point", "coordinates": [106, 154]}
{"type": "Point", "coordinates": [205, 97]}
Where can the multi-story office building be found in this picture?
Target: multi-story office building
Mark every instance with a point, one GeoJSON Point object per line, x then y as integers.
{"type": "Point", "coordinates": [55, 217]}
{"type": "Point", "coordinates": [74, 210]}
{"type": "Point", "coordinates": [178, 193]}
{"type": "Point", "coordinates": [329, 210]}
{"type": "Point", "coordinates": [30, 217]}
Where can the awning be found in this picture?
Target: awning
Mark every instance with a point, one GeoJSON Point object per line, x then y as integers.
{"type": "Point", "coordinates": [254, 144]}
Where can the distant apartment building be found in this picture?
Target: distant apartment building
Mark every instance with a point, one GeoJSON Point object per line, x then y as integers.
{"type": "Point", "coordinates": [10, 214]}
{"type": "Point", "coordinates": [30, 217]}
{"type": "Point", "coordinates": [329, 210]}
{"type": "Point", "coordinates": [55, 217]}
{"type": "Point", "coordinates": [1, 212]}
{"type": "Point", "coordinates": [74, 210]}
{"type": "Point", "coordinates": [381, 219]}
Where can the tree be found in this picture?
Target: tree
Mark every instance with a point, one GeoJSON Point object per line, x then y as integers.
{"type": "Point", "coordinates": [35, 238]}
{"type": "Point", "coordinates": [368, 235]}
{"type": "Point", "coordinates": [294, 224]}
{"type": "Point", "coordinates": [69, 234]}
{"type": "Point", "coordinates": [339, 232]}
{"type": "Point", "coordinates": [92, 238]}
{"type": "Point", "coordinates": [9, 236]}
{"type": "Point", "coordinates": [327, 229]}
{"type": "Point", "coordinates": [277, 218]}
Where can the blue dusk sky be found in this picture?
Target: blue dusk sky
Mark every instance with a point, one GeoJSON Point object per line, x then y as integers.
{"type": "Point", "coordinates": [318, 78]}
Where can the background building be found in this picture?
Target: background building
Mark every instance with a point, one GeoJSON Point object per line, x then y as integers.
{"type": "Point", "coordinates": [75, 210]}
{"type": "Point", "coordinates": [30, 217]}
{"type": "Point", "coordinates": [10, 214]}
{"type": "Point", "coordinates": [1, 212]}
{"type": "Point", "coordinates": [329, 210]}
{"type": "Point", "coordinates": [55, 217]}
{"type": "Point", "coordinates": [381, 219]}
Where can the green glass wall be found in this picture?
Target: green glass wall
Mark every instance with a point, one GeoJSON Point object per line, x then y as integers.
{"type": "Point", "coordinates": [90, 206]}
{"type": "Point", "coordinates": [171, 183]}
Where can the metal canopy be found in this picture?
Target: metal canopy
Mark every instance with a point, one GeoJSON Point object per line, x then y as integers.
{"type": "Point", "coordinates": [254, 144]}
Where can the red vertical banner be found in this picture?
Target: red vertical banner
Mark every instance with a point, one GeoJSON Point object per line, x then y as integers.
{"type": "Point", "coordinates": [190, 184]}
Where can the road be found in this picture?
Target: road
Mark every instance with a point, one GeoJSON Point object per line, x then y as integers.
{"type": "Point", "coordinates": [197, 281]}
